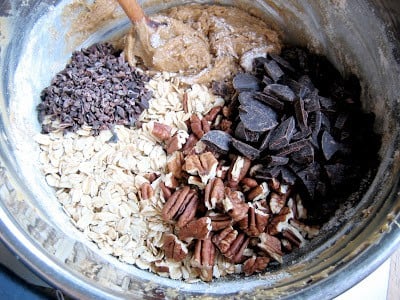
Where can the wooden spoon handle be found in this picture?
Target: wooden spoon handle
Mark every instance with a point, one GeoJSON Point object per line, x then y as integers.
{"type": "Point", "coordinates": [133, 10]}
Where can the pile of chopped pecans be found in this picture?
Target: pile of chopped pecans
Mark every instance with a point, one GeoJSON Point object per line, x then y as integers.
{"type": "Point", "coordinates": [218, 207]}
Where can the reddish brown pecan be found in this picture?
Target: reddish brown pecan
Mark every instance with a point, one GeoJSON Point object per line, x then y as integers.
{"type": "Point", "coordinates": [219, 221]}
{"type": "Point", "coordinates": [175, 164]}
{"type": "Point", "coordinates": [259, 192]}
{"type": "Point", "coordinates": [277, 202]}
{"type": "Point", "coordinates": [176, 142]}
{"type": "Point", "coordinates": [189, 147]}
{"type": "Point", "coordinates": [204, 165]}
{"type": "Point", "coordinates": [271, 245]}
{"type": "Point", "coordinates": [199, 126]}
{"type": "Point", "coordinates": [234, 205]}
{"type": "Point", "coordinates": [203, 258]}
{"type": "Point", "coordinates": [181, 206]}
{"type": "Point", "coordinates": [255, 264]}
{"type": "Point", "coordinates": [248, 184]}
{"type": "Point", "coordinates": [255, 222]}
{"type": "Point", "coordinates": [213, 113]}
{"type": "Point", "coordinates": [231, 244]}
{"type": "Point", "coordinates": [146, 191]}
{"type": "Point", "coordinates": [197, 229]}
{"type": "Point", "coordinates": [214, 193]}
{"type": "Point", "coordinates": [161, 131]}
{"type": "Point", "coordinates": [238, 170]}
{"type": "Point", "coordinates": [174, 248]}
{"type": "Point", "coordinates": [166, 192]}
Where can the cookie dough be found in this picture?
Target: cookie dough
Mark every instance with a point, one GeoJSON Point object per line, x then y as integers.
{"type": "Point", "coordinates": [202, 43]}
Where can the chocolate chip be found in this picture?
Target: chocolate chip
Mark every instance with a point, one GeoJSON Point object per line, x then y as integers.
{"type": "Point", "coordinates": [217, 140]}
{"type": "Point", "coordinates": [283, 92]}
{"type": "Point", "coordinates": [246, 82]}
{"type": "Point", "coordinates": [245, 149]}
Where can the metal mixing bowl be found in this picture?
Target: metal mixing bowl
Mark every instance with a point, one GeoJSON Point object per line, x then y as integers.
{"type": "Point", "coordinates": [358, 36]}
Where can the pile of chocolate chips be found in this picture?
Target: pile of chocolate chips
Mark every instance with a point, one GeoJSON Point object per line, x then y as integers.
{"type": "Point", "coordinates": [303, 123]}
{"type": "Point", "coordinates": [97, 88]}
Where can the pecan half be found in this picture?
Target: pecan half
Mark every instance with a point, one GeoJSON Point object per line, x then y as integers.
{"type": "Point", "coordinates": [214, 193]}
{"type": "Point", "coordinates": [277, 202]}
{"type": "Point", "coordinates": [199, 126]}
{"type": "Point", "coordinates": [146, 191]}
{"type": "Point", "coordinates": [234, 204]}
{"type": "Point", "coordinates": [204, 165]}
{"type": "Point", "coordinates": [213, 113]}
{"type": "Point", "coordinates": [161, 131]}
{"type": "Point", "coordinates": [174, 248]}
{"type": "Point", "coordinates": [198, 229]}
{"type": "Point", "coordinates": [255, 264]}
{"type": "Point", "coordinates": [175, 164]}
{"type": "Point", "coordinates": [271, 245]}
{"type": "Point", "coordinates": [219, 221]}
{"type": "Point", "coordinates": [238, 170]}
{"type": "Point", "coordinates": [189, 147]}
{"type": "Point", "coordinates": [176, 142]}
{"type": "Point", "coordinates": [231, 244]}
{"type": "Point", "coordinates": [203, 258]}
{"type": "Point", "coordinates": [255, 222]}
{"type": "Point", "coordinates": [181, 206]}
{"type": "Point", "coordinates": [259, 192]}
{"type": "Point", "coordinates": [166, 192]}
{"type": "Point", "coordinates": [248, 184]}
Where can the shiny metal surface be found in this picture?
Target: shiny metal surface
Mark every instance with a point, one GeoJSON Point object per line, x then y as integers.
{"type": "Point", "coordinates": [358, 36]}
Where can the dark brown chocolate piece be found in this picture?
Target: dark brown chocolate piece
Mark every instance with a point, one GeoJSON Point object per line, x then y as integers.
{"type": "Point", "coordinates": [217, 140]}
{"type": "Point", "coordinates": [246, 135]}
{"type": "Point", "coordinates": [245, 149]}
{"type": "Point", "coordinates": [282, 134]}
{"type": "Point", "coordinates": [283, 92]}
{"type": "Point", "coordinates": [328, 145]}
{"type": "Point", "coordinates": [301, 114]}
{"type": "Point", "coordinates": [246, 82]}
{"type": "Point", "coordinates": [273, 160]}
{"type": "Point", "coordinates": [273, 70]}
{"type": "Point", "coordinates": [270, 100]}
{"type": "Point", "coordinates": [304, 156]}
{"type": "Point", "coordinates": [255, 115]}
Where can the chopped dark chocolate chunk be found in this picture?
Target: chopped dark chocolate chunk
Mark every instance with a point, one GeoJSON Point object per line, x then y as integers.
{"type": "Point", "coordinates": [304, 156]}
{"type": "Point", "coordinates": [273, 160]}
{"type": "Point", "coordinates": [311, 102]}
{"type": "Point", "coordinates": [246, 82]}
{"type": "Point", "coordinates": [217, 140]}
{"type": "Point", "coordinates": [301, 114]}
{"type": "Point", "coordinates": [328, 145]}
{"type": "Point", "coordinates": [270, 100]}
{"type": "Point", "coordinates": [273, 70]}
{"type": "Point", "coordinates": [310, 178]}
{"type": "Point", "coordinates": [243, 134]}
{"type": "Point", "coordinates": [282, 134]}
{"type": "Point", "coordinates": [293, 147]}
{"type": "Point", "coordinates": [255, 115]}
{"type": "Point", "coordinates": [282, 62]}
{"type": "Point", "coordinates": [245, 149]}
{"type": "Point", "coordinates": [283, 92]}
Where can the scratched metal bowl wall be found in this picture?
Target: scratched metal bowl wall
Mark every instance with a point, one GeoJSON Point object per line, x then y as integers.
{"type": "Point", "coordinates": [358, 36]}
